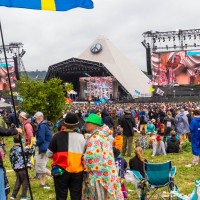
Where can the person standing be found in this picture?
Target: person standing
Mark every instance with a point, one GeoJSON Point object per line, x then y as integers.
{"type": "Point", "coordinates": [26, 127]}
{"type": "Point", "coordinates": [16, 159]}
{"type": "Point", "coordinates": [66, 150]}
{"type": "Point", "coordinates": [195, 137]}
{"type": "Point", "coordinates": [43, 139]}
{"type": "Point", "coordinates": [127, 123]}
{"type": "Point", "coordinates": [182, 125]}
{"type": "Point", "coordinates": [101, 181]}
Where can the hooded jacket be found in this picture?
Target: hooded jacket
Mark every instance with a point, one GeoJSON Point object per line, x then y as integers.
{"type": "Point", "coordinates": [173, 145]}
{"type": "Point", "coordinates": [195, 137]}
{"type": "Point", "coordinates": [43, 136]}
{"type": "Point", "coordinates": [127, 123]}
{"type": "Point", "coordinates": [182, 125]}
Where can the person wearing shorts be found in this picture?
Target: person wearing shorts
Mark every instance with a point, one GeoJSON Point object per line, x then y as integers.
{"type": "Point", "coordinates": [43, 139]}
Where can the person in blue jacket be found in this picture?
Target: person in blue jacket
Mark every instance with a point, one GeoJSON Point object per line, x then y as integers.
{"type": "Point", "coordinates": [195, 137]}
{"type": "Point", "coordinates": [43, 139]}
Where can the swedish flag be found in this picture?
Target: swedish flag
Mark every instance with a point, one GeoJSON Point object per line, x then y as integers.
{"type": "Point", "coordinates": [54, 5]}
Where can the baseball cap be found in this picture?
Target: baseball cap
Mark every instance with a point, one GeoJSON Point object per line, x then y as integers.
{"type": "Point", "coordinates": [38, 115]}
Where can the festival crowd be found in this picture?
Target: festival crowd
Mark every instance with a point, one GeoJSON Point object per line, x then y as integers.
{"type": "Point", "coordinates": [89, 145]}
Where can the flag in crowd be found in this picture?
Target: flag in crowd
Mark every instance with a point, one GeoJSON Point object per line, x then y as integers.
{"type": "Point", "coordinates": [151, 89]}
{"type": "Point", "coordinates": [54, 5]}
{"type": "Point", "coordinates": [160, 92]}
{"type": "Point", "coordinates": [137, 92]}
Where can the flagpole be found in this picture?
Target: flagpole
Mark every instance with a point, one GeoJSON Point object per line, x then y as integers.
{"type": "Point", "coordinates": [13, 103]}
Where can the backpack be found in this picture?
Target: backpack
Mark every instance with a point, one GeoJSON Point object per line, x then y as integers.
{"type": "Point", "coordinates": [145, 118]}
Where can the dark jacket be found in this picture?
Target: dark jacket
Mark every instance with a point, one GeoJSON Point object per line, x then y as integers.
{"type": "Point", "coordinates": [173, 145]}
{"type": "Point", "coordinates": [43, 137]}
{"type": "Point", "coordinates": [109, 121]}
{"type": "Point", "coordinates": [6, 132]}
{"type": "Point", "coordinates": [127, 123]}
{"type": "Point", "coordinates": [136, 164]}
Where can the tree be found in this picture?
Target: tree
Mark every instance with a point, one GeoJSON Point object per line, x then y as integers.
{"type": "Point", "coordinates": [49, 97]}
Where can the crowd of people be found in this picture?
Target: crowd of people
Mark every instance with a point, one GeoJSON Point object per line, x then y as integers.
{"type": "Point", "coordinates": [89, 146]}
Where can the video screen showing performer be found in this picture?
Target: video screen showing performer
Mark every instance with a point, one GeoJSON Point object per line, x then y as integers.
{"type": "Point", "coordinates": [4, 83]}
{"type": "Point", "coordinates": [169, 68]}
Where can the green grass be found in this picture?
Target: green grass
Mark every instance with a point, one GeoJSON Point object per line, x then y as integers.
{"type": "Point", "coordinates": [184, 177]}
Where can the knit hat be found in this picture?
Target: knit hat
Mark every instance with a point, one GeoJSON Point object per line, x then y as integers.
{"type": "Point", "coordinates": [94, 119]}
{"type": "Point", "coordinates": [23, 115]}
{"type": "Point", "coordinates": [158, 137]}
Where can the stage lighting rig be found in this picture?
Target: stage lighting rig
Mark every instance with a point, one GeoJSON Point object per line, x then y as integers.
{"type": "Point", "coordinates": [179, 39]}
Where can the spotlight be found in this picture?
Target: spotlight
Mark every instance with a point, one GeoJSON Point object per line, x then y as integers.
{"type": "Point", "coordinates": [22, 53]}
{"type": "Point", "coordinates": [11, 50]}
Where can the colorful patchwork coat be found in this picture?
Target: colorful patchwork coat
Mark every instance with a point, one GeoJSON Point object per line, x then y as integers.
{"type": "Point", "coordinates": [99, 168]}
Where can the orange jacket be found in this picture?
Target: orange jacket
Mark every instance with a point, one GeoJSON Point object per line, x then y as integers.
{"type": "Point", "coordinates": [118, 142]}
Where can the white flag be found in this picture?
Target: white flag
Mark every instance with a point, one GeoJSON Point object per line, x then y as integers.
{"type": "Point", "coordinates": [160, 92]}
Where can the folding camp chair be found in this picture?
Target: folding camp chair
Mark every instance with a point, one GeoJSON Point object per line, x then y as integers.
{"type": "Point", "coordinates": [194, 196]}
{"type": "Point", "coordinates": [157, 176]}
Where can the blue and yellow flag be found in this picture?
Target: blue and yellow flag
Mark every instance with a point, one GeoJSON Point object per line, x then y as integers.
{"type": "Point", "coordinates": [54, 5]}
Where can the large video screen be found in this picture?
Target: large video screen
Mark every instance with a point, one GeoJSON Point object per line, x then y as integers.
{"type": "Point", "coordinates": [177, 67]}
{"type": "Point", "coordinates": [4, 83]}
{"type": "Point", "coordinates": [99, 87]}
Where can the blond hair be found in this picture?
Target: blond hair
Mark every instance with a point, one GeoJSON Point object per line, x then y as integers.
{"type": "Point", "coordinates": [169, 114]}
{"type": "Point", "coordinates": [139, 153]}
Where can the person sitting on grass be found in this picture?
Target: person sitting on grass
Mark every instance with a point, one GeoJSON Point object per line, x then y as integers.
{"type": "Point", "coordinates": [143, 140]}
{"type": "Point", "coordinates": [150, 127]}
{"type": "Point", "coordinates": [16, 159]}
{"type": "Point", "coordinates": [161, 130]}
{"type": "Point", "coordinates": [158, 146]}
{"type": "Point", "coordinates": [137, 162]}
{"type": "Point", "coordinates": [173, 144]}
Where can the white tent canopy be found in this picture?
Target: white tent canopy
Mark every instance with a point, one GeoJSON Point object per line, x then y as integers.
{"type": "Point", "coordinates": [130, 76]}
{"type": "Point", "coordinates": [4, 105]}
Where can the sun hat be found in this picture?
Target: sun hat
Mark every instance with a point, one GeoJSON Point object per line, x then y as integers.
{"type": "Point", "coordinates": [38, 115]}
{"type": "Point", "coordinates": [94, 119]}
{"type": "Point", "coordinates": [23, 115]}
